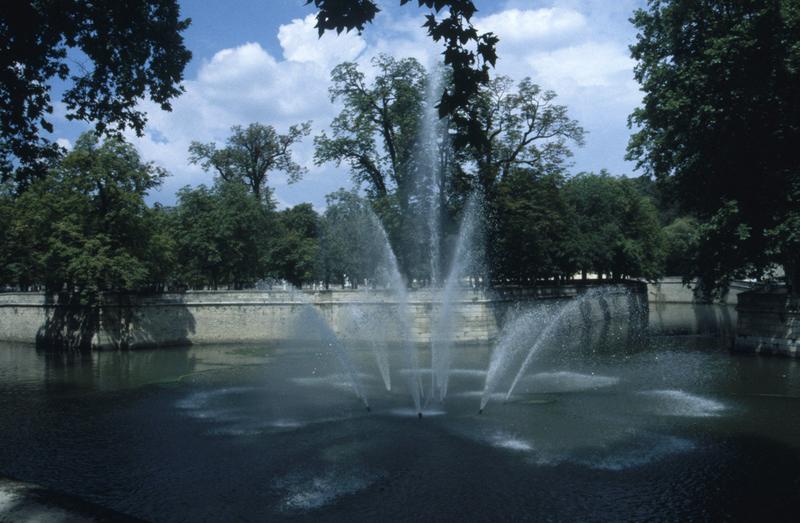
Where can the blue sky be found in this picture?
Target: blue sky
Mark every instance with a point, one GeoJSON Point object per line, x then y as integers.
{"type": "Point", "coordinates": [261, 60]}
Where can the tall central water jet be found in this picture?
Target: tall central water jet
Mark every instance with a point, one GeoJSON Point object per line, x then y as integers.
{"type": "Point", "coordinates": [430, 162]}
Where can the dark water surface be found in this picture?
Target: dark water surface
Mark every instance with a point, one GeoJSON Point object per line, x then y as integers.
{"type": "Point", "coordinates": [663, 427]}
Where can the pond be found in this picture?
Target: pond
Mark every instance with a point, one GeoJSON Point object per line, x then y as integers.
{"type": "Point", "coordinates": [666, 425]}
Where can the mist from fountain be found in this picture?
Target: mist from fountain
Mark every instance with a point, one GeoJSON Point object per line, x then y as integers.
{"type": "Point", "coordinates": [517, 335]}
{"type": "Point", "coordinates": [442, 331]}
{"type": "Point", "coordinates": [532, 332]}
{"type": "Point", "coordinates": [312, 321]}
{"type": "Point", "coordinates": [388, 273]}
{"type": "Point", "coordinates": [365, 323]}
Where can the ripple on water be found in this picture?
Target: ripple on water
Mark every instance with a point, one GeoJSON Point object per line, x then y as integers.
{"type": "Point", "coordinates": [565, 381]}
{"type": "Point", "coordinates": [644, 452]}
{"type": "Point", "coordinates": [336, 381]}
{"type": "Point", "coordinates": [198, 400]}
{"type": "Point", "coordinates": [308, 491]}
{"type": "Point", "coordinates": [633, 453]}
{"type": "Point", "coordinates": [504, 440]}
{"type": "Point", "coordinates": [681, 403]}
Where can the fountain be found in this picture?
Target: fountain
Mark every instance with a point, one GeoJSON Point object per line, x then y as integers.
{"type": "Point", "coordinates": [312, 321]}
{"type": "Point", "coordinates": [463, 259]}
{"type": "Point", "coordinates": [364, 323]}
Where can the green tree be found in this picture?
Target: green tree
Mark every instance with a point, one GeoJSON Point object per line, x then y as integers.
{"type": "Point", "coordinates": [250, 154]}
{"type": "Point", "coordinates": [536, 230]}
{"type": "Point", "coordinates": [618, 230]}
{"type": "Point", "coordinates": [523, 128]}
{"type": "Point", "coordinates": [680, 245]}
{"type": "Point", "coordinates": [221, 236]}
{"type": "Point", "coordinates": [295, 250]}
{"type": "Point", "coordinates": [350, 239]}
{"type": "Point", "coordinates": [83, 227]}
{"type": "Point", "coordinates": [110, 54]}
{"type": "Point", "coordinates": [81, 230]}
{"type": "Point", "coordinates": [375, 134]}
{"type": "Point", "coordinates": [720, 118]}
{"type": "Point", "coordinates": [6, 221]}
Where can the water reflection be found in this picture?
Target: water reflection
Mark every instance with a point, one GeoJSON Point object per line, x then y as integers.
{"type": "Point", "coordinates": [698, 318]}
{"type": "Point", "coordinates": [609, 420]}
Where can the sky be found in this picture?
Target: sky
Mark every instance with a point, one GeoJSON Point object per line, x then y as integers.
{"type": "Point", "coordinates": [262, 61]}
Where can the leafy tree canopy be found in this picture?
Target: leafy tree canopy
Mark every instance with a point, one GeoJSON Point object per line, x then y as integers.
{"type": "Point", "coordinates": [618, 231]}
{"type": "Point", "coordinates": [523, 128]}
{"type": "Point", "coordinates": [221, 235]}
{"type": "Point", "coordinates": [720, 119]}
{"type": "Point", "coordinates": [84, 228]}
{"type": "Point", "coordinates": [295, 251]}
{"type": "Point", "coordinates": [250, 154]}
{"type": "Point", "coordinates": [376, 130]}
{"type": "Point", "coordinates": [536, 230]}
{"type": "Point", "coordinates": [111, 53]}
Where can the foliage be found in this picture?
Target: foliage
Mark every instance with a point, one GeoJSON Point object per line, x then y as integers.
{"type": "Point", "coordinates": [536, 229]}
{"type": "Point", "coordinates": [295, 249]}
{"type": "Point", "coordinates": [84, 228]}
{"type": "Point", "coordinates": [389, 108]}
{"type": "Point", "coordinates": [523, 128]}
{"type": "Point", "coordinates": [121, 53]}
{"type": "Point", "coordinates": [350, 239]}
{"type": "Point", "coordinates": [375, 134]}
{"type": "Point", "coordinates": [680, 245]}
{"type": "Point", "coordinates": [250, 154]}
{"type": "Point", "coordinates": [618, 231]}
{"type": "Point", "coordinates": [221, 236]}
{"type": "Point", "coordinates": [468, 53]}
{"type": "Point", "coordinates": [720, 118]}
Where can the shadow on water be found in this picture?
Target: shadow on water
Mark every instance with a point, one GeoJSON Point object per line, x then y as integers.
{"type": "Point", "coordinates": [118, 321]}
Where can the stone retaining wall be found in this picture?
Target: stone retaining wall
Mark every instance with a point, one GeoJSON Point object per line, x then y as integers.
{"type": "Point", "coordinates": [215, 317]}
{"type": "Point", "coordinates": [671, 289]}
{"type": "Point", "coordinates": [768, 322]}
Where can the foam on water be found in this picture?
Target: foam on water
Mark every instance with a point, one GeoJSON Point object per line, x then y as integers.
{"type": "Point", "coordinates": [564, 381]}
{"type": "Point", "coordinates": [504, 440]}
{"type": "Point", "coordinates": [8, 498]}
{"type": "Point", "coordinates": [494, 396]}
{"type": "Point", "coordinates": [652, 449]}
{"type": "Point", "coordinates": [305, 492]}
{"type": "Point", "coordinates": [681, 403]}
{"type": "Point", "coordinates": [199, 400]}
{"type": "Point", "coordinates": [285, 424]}
{"type": "Point", "coordinates": [336, 381]}
{"type": "Point", "coordinates": [643, 450]}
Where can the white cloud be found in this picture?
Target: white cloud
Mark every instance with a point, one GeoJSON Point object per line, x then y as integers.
{"type": "Point", "coordinates": [570, 48]}
{"type": "Point", "coordinates": [65, 143]}
{"type": "Point", "coordinates": [589, 64]}
{"type": "Point", "coordinates": [540, 26]}
{"type": "Point", "coordinates": [301, 43]}
{"type": "Point", "coordinates": [586, 63]}
{"type": "Point", "coordinates": [237, 86]}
